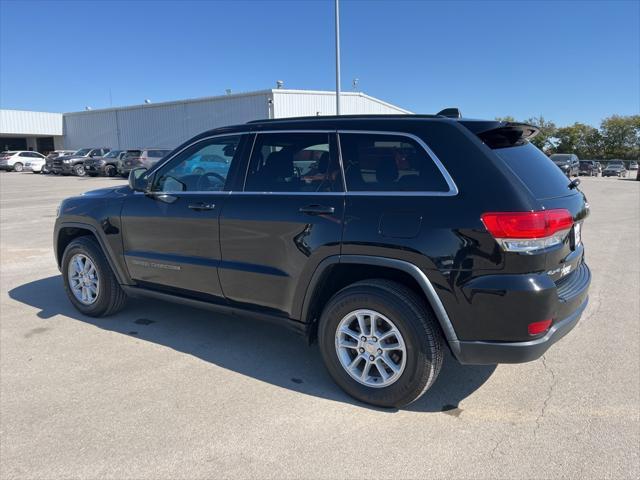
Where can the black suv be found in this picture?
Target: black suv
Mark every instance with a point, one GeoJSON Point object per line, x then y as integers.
{"type": "Point", "coordinates": [147, 158]}
{"type": "Point", "coordinates": [568, 163]}
{"type": "Point", "coordinates": [386, 238]}
{"type": "Point", "coordinates": [74, 164]}
{"type": "Point", "coordinates": [589, 167]}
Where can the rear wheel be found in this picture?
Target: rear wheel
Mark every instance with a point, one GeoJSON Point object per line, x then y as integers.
{"type": "Point", "coordinates": [88, 280]}
{"type": "Point", "coordinates": [110, 171]}
{"type": "Point", "coordinates": [18, 167]}
{"type": "Point", "coordinates": [380, 343]}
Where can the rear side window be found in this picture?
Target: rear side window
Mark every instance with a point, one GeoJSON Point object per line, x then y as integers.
{"type": "Point", "coordinates": [293, 162]}
{"type": "Point", "coordinates": [537, 171]}
{"type": "Point", "coordinates": [388, 163]}
{"type": "Point", "coordinates": [157, 153]}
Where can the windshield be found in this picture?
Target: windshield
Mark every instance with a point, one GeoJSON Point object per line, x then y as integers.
{"type": "Point", "coordinates": [560, 158]}
{"type": "Point", "coordinates": [615, 164]}
{"type": "Point", "coordinates": [82, 152]}
{"type": "Point", "coordinates": [112, 154]}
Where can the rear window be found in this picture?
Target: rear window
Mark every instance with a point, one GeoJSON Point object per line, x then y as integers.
{"type": "Point", "coordinates": [543, 178]}
{"type": "Point", "coordinates": [158, 153]}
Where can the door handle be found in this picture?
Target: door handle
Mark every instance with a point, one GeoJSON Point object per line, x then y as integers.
{"type": "Point", "coordinates": [317, 210]}
{"type": "Point", "coordinates": [198, 207]}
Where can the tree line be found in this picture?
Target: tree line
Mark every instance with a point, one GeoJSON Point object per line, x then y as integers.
{"type": "Point", "coordinates": [618, 137]}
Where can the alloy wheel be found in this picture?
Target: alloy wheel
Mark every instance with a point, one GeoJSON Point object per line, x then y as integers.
{"type": "Point", "coordinates": [83, 279]}
{"type": "Point", "coordinates": [370, 348]}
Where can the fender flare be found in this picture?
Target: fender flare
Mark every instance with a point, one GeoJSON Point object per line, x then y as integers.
{"type": "Point", "coordinates": [418, 275]}
{"type": "Point", "coordinates": [120, 275]}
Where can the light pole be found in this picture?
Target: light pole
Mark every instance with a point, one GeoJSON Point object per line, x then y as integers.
{"type": "Point", "coordinates": [337, 57]}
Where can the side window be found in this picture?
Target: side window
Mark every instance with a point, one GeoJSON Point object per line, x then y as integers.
{"type": "Point", "coordinates": [388, 163]}
{"type": "Point", "coordinates": [25, 154]}
{"type": "Point", "coordinates": [293, 162]}
{"type": "Point", "coordinates": [202, 167]}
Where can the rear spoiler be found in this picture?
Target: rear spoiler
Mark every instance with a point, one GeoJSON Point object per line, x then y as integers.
{"type": "Point", "coordinates": [507, 134]}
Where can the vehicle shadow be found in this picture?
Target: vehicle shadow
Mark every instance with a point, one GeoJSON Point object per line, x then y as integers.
{"type": "Point", "coordinates": [270, 353]}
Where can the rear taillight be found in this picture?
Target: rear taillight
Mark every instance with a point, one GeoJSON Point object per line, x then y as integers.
{"type": "Point", "coordinates": [528, 231]}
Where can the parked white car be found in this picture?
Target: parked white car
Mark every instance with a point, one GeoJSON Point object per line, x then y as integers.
{"type": "Point", "coordinates": [17, 159]}
{"type": "Point", "coordinates": [35, 165]}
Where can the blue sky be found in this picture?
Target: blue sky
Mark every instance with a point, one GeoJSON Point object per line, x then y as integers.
{"type": "Point", "coordinates": [568, 61]}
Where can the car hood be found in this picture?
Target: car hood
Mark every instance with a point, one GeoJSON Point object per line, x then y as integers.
{"type": "Point", "coordinates": [118, 191]}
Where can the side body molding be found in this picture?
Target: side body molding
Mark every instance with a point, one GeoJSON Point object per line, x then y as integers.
{"type": "Point", "coordinates": [418, 275]}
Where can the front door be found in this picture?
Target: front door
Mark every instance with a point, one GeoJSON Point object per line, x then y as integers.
{"type": "Point", "coordinates": [285, 221]}
{"type": "Point", "coordinates": [171, 235]}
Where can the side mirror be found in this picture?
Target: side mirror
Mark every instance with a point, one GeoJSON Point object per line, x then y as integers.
{"type": "Point", "coordinates": [137, 182]}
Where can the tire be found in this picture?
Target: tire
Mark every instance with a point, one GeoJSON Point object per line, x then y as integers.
{"type": "Point", "coordinates": [416, 324]}
{"type": "Point", "coordinates": [79, 170]}
{"type": "Point", "coordinates": [110, 297]}
{"type": "Point", "coordinates": [18, 167]}
{"type": "Point", "coordinates": [110, 171]}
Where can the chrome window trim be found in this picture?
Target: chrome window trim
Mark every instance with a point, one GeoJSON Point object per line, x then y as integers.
{"type": "Point", "coordinates": [341, 194]}
{"type": "Point", "coordinates": [453, 188]}
{"type": "Point", "coordinates": [180, 193]}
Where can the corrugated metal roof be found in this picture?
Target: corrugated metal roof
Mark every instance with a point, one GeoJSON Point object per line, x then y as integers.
{"type": "Point", "coordinates": [296, 103]}
{"type": "Point", "coordinates": [168, 124]}
{"type": "Point", "coordinates": [163, 125]}
{"type": "Point", "coordinates": [22, 122]}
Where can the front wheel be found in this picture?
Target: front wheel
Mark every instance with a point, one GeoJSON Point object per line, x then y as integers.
{"type": "Point", "coordinates": [79, 170]}
{"type": "Point", "coordinates": [380, 343]}
{"type": "Point", "coordinates": [88, 280]}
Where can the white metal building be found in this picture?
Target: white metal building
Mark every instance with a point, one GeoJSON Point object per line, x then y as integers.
{"type": "Point", "coordinates": [168, 124]}
{"type": "Point", "coordinates": [38, 131]}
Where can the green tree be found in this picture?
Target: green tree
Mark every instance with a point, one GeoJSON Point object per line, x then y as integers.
{"type": "Point", "coordinates": [544, 140]}
{"type": "Point", "coordinates": [508, 118]}
{"type": "Point", "coordinates": [621, 137]}
{"type": "Point", "coordinates": [583, 140]}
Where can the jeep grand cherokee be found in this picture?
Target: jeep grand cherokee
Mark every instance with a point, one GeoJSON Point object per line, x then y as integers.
{"type": "Point", "coordinates": [385, 238]}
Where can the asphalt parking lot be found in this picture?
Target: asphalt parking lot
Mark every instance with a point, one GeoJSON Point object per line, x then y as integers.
{"type": "Point", "coordinates": [164, 391]}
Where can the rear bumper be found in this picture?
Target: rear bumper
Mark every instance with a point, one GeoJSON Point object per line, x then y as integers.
{"type": "Point", "coordinates": [572, 299]}
{"type": "Point", "coordinates": [487, 353]}
{"type": "Point", "coordinates": [125, 169]}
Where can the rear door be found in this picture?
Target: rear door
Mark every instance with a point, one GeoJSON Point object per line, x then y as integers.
{"type": "Point", "coordinates": [286, 220]}
{"type": "Point", "coordinates": [171, 236]}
